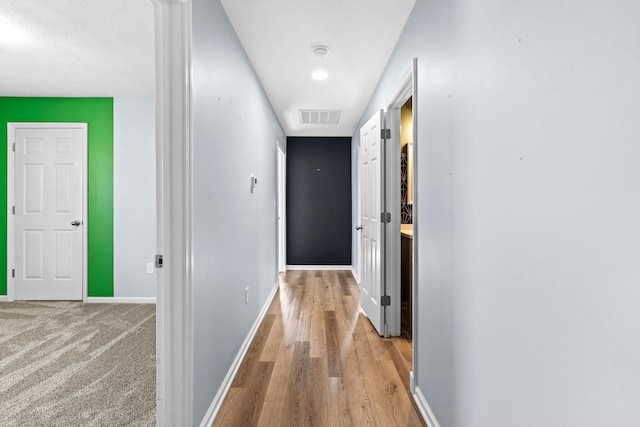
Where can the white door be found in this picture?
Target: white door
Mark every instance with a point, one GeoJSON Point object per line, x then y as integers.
{"type": "Point", "coordinates": [371, 167]}
{"type": "Point", "coordinates": [48, 199]}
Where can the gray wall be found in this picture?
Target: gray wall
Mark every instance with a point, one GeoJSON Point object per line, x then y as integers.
{"type": "Point", "coordinates": [529, 199]}
{"type": "Point", "coordinates": [234, 241]}
{"type": "Point", "coordinates": [134, 196]}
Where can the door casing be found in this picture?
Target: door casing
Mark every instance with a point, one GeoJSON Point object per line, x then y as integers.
{"type": "Point", "coordinates": [11, 130]}
{"type": "Point", "coordinates": [282, 209]}
{"type": "Point", "coordinates": [405, 89]}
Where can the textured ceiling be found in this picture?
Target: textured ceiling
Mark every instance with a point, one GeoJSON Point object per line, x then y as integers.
{"type": "Point", "coordinates": [278, 36]}
{"type": "Point", "coordinates": [106, 48]}
{"type": "Point", "coordinates": [76, 48]}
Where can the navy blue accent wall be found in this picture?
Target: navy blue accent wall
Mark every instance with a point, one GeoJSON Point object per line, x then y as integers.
{"type": "Point", "coordinates": [318, 201]}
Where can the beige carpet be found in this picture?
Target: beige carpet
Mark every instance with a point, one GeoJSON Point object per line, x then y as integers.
{"type": "Point", "coordinates": [76, 364]}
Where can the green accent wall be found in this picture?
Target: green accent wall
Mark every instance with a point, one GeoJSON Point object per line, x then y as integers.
{"type": "Point", "coordinates": [98, 113]}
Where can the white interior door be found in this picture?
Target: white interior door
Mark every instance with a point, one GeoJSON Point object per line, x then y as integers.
{"type": "Point", "coordinates": [48, 219]}
{"type": "Point", "coordinates": [371, 167]}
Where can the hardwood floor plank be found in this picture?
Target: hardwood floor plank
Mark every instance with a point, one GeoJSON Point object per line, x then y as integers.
{"type": "Point", "coordinates": [344, 285]}
{"type": "Point", "coordinates": [280, 377]}
{"type": "Point", "coordinates": [378, 397]}
{"type": "Point", "coordinates": [251, 359]}
{"type": "Point", "coordinates": [338, 407]}
{"type": "Point", "coordinates": [232, 404]}
{"type": "Point", "coordinates": [272, 344]}
{"type": "Point", "coordinates": [317, 361]}
{"type": "Point", "coordinates": [318, 347]}
{"type": "Point", "coordinates": [361, 414]}
{"type": "Point", "coordinates": [334, 362]}
{"type": "Point", "coordinates": [297, 387]}
{"type": "Point", "coordinates": [327, 293]}
{"type": "Point", "coordinates": [397, 396]}
{"type": "Point", "coordinates": [316, 409]}
{"type": "Point", "coordinates": [256, 390]}
{"type": "Point", "coordinates": [271, 415]}
{"type": "Point", "coordinates": [354, 383]}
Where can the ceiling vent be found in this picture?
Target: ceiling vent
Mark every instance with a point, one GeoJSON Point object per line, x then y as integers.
{"type": "Point", "coordinates": [320, 117]}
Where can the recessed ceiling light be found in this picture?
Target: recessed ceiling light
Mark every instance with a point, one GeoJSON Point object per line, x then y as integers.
{"type": "Point", "coordinates": [320, 75]}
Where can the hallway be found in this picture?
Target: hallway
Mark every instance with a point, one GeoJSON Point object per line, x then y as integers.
{"type": "Point", "coordinates": [317, 361]}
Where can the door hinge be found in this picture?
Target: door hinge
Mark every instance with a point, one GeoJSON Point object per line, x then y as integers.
{"type": "Point", "coordinates": [13, 272]}
{"type": "Point", "coordinates": [385, 300]}
{"type": "Point", "coordinates": [13, 209]}
{"type": "Point", "coordinates": [159, 261]}
{"type": "Point", "coordinates": [385, 217]}
{"type": "Point", "coordinates": [14, 147]}
{"type": "Point", "coordinates": [385, 133]}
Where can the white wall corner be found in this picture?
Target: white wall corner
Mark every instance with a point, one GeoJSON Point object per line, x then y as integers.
{"type": "Point", "coordinates": [423, 406]}
{"type": "Point", "coordinates": [218, 399]}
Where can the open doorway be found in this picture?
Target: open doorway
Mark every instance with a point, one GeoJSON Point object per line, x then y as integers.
{"type": "Point", "coordinates": [404, 340]}
{"type": "Point", "coordinates": [402, 231]}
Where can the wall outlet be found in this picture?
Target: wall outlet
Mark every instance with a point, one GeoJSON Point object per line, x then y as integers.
{"type": "Point", "coordinates": [150, 268]}
{"type": "Point", "coordinates": [246, 295]}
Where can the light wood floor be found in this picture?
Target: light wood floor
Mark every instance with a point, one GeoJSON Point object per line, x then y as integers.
{"type": "Point", "coordinates": [317, 361]}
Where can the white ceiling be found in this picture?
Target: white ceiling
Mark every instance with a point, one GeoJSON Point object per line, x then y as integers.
{"type": "Point", "coordinates": [278, 36]}
{"type": "Point", "coordinates": [105, 48]}
{"type": "Point", "coordinates": [76, 48]}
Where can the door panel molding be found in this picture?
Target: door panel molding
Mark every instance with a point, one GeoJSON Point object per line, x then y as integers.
{"type": "Point", "coordinates": [12, 128]}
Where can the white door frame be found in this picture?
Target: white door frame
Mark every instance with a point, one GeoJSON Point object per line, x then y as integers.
{"type": "Point", "coordinates": [282, 208]}
{"type": "Point", "coordinates": [11, 132]}
{"type": "Point", "coordinates": [405, 89]}
{"type": "Point", "coordinates": [357, 272]}
{"type": "Point", "coordinates": [174, 348]}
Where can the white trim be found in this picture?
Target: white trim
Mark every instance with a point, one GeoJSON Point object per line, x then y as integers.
{"type": "Point", "coordinates": [11, 128]}
{"type": "Point", "coordinates": [4, 298]}
{"type": "Point", "coordinates": [281, 183]}
{"type": "Point", "coordinates": [216, 404]}
{"type": "Point", "coordinates": [174, 329]}
{"type": "Point", "coordinates": [425, 409]}
{"type": "Point", "coordinates": [319, 267]}
{"type": "Point", "coordinates": [356, 276]}
{"type": "Point", "coordinates": [404, 90]}
{"type": "Point", "coordinates": [121, 300]}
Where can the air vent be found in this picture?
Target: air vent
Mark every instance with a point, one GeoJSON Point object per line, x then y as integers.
{"type": "Point", "coordinates": [319, 117]}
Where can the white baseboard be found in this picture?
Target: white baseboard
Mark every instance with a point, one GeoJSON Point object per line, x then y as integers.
{"type": "Point", "coordinates": [4, 298]}
{"type": "Point", "coordinates": [214, 408]}
{"type": "Point", "coordinates": [425, 409]}
{"type": "Point", "coordinates": [318, 267]}
{"type": "Point", "coordinates": [356, 276]}
{"type": "Point", "coordinates": [121, 300]}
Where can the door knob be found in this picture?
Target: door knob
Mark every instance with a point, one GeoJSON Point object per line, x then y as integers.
{"type": "Point", "coordinates": [75, 223]}
{"type": "Point", "coordinates": [359, 227]}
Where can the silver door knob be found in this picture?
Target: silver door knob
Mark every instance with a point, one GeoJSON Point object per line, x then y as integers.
{"type": "Point", "coordinates": [75, 223]}
{"type": "Point", "coordinates": [359, 227]}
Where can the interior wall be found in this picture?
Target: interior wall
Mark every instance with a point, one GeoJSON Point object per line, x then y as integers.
{"type": "Point", "coordinates": [528, 208]}
{"type": "Point", "coordinates": [134, 204]}
{"type": "Point", "coordinates": [234, 136]}
{"type": "Point", "coordinates": [318, 201]}
{"type": "Point", "coordinates": [98, 113]}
